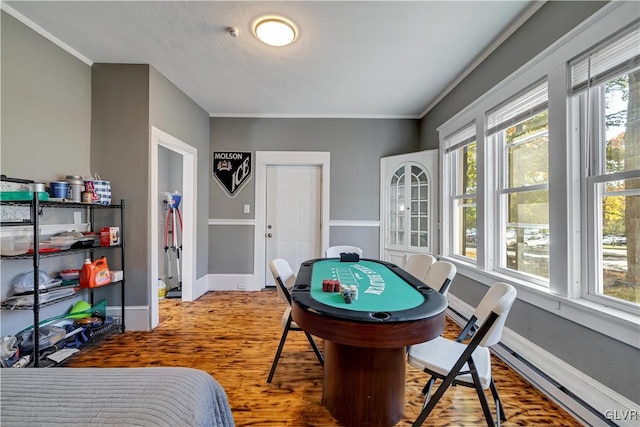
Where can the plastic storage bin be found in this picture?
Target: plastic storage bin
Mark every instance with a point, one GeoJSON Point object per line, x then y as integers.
{"type": "Point", "coordinates": [15, 243]}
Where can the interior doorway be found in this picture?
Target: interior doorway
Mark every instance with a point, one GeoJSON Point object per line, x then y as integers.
{"type": "Point", "coordinates": [269, 159]}
{"type": "Point", "coordinates": [188, 156]}
{"type": "Point", "coordinates": [169, 223]}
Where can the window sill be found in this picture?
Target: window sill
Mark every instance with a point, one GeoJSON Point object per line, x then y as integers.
{"type": "Point", "coordinates": [612, 322]}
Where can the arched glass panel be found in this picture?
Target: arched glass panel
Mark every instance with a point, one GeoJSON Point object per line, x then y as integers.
{"type": "Point", "coordinates": [419, 207]}
{"type": "Point", "coordinates": [409, 207]}
{"type": "Point", "coordinates": [397, 208]}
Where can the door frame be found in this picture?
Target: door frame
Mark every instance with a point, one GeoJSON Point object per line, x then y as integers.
{"type": "Point", "coordinates": [286, 158]}
{"type": "Point", "coordinates": [189, 215]}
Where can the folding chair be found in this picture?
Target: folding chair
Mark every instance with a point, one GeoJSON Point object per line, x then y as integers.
{"type": "Point", "coordinates": [418, 264]}
{"type": "Point", "coordinates": [469, 365]}
{"type": "Point", "coordinates": [440, 275]}
{"type": "Point", "coordinates": [285, 279]}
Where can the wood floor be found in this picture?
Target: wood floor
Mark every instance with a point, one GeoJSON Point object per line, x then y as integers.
{"type": "Point", "coordinates": [234, 336]}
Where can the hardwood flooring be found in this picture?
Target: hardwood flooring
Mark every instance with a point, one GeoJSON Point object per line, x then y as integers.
{"type": "Point", "coordinates": [234, 337]}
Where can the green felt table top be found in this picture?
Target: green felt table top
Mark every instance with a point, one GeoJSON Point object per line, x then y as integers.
{"type": "Point", "coordinates": [379, 288]}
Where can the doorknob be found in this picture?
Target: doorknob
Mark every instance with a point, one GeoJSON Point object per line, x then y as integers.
{"type": "Point", "coordinates": [269, 235]}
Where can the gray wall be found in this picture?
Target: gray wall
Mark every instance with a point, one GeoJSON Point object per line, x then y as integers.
{"type": "Point", "coordinates": [356, 146]}
{"type": "Point", "coordinates": [61, 116]}
{"type": "Point", "coordinates": [45, 133]}
{"type": "Point", "coordinates": [120, 153]}
{"type": "Point", "coordinates": [611, 362]}
{"type": "Point", "coordinates": [127, 100]}
{"type": "Point", "coordinates": [173, 112]}
{"type": "Point", "coordinates": [46, 107]}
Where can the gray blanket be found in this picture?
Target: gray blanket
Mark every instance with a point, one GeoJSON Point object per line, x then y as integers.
{"type": "Point", "coordinates": [113, 397]}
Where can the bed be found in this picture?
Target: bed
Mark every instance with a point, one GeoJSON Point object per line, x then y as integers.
{"type": "Point", "coordinates": [167, 396]}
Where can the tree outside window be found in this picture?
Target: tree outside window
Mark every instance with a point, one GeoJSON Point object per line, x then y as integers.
{"type": "Point", "coordinates": [620, 199]}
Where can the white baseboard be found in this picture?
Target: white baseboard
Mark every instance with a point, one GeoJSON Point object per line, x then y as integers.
{"type": "Point", "coordinates": [234, 282]}
{"type": "Point", "coordinates": [136, 317]}
{"type": "Point", "coordinates": [200, 287]}
{"type": "Point", "coordinates": [610, 404]}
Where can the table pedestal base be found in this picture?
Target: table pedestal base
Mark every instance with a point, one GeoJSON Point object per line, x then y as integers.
{"type": "Point", "coordinates": [364, 386]}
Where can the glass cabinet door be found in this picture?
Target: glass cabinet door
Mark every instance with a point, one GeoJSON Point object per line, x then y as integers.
{"type": "Point", "coordinates": [409, 222]}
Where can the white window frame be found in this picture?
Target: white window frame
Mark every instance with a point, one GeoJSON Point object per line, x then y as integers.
{"type": "Point", "coordinates": [595, 177]}
{"type": "Point", "coordinates": [563, 297]}
{"type": "Point", "coordinates": [454, 145]}
{"type": "Point", "coordinates": [502, 192]}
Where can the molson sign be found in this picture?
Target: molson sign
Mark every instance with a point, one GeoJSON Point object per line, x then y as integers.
{"type": "Point", "coordinates": [232, 170]}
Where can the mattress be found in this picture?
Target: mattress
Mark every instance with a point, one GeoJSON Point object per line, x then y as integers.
{"type": "Point", "coordinates": [167, 396]}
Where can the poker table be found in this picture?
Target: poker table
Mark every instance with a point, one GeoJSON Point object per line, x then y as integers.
{"type": "Point", "coordinates": [365, 340]}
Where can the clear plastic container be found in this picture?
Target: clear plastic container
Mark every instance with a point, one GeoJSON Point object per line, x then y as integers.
{"type": "Point", "coordinates": [15, 243]}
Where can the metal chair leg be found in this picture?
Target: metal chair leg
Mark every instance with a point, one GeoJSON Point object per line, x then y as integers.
{"type": "Point", "coordinates": [483, 400]}
{"type": "Point", "coordinates": [426, 390]}
{"type": "Point", "coordinates": [433, 401]}
{"type": "Point", "coordinates": [282, 340]}
{"type": "Point", "coordinates": [315, 348]}
{"type": "Point", "coordinates": [446, 382]}
{"type": "Point", "coordinates": [496, 397]}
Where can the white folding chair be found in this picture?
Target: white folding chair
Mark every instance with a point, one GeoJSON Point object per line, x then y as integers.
{"type": "Point", "coordinates": [457, 363]}
{"type": "Point", "coordinates": [440, 275]}
{"type": "Point", "coordinates": [285, 279]}
{"type": "Point", "coordinates": [418, 264]}
{"type": "Point", "coordinates": [335, 251]}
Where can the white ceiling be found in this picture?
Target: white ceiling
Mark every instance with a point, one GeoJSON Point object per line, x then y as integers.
{"type": "Point", "coordinates": [373, 59]}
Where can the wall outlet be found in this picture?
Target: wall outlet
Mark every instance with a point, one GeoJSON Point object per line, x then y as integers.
{"type": "Point", "coordinates": [242, 286]}
{"type": "Point", "coordinates": [77, 217]}
{"type": "Point", "coordinates": [247, 208]}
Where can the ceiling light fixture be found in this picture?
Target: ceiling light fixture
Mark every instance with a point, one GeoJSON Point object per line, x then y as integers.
{"type": "Point", "coordinates": [275, 31]}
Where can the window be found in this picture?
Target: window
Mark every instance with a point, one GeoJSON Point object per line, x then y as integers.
{"type": "Point", "coordinates": [606, 90]}
{"type": "Point", "coordinates": [557, 168]}
{"type": "Point", "coordinates": [519, 133]}
{"type": "Point", "coordinates": [409, 207]}
{"type": "Point", "coordinates": [461, 155]}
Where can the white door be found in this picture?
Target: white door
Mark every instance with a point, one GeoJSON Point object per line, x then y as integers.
{"type": "Point", "coordinates": [293, 214]}
{"type": "Point", "coordinates": [408, 208]}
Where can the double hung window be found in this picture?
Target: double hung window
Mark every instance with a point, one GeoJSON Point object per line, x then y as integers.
{"type": "Point", "coordinates": [605, 87]}
{"type": "Point", "coordinates": [461, 154]}
{"type": "Point", "coordinates": [518, 131]}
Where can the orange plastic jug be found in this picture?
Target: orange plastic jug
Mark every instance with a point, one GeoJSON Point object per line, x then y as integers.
{"type": "Point", "coordinates": [95, 273]}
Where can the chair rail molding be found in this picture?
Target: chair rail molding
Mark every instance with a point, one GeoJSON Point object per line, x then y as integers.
{"type": "Point", "coordinates": [231, 221]}
{"type": "Point", "coordinates": [353, 223]}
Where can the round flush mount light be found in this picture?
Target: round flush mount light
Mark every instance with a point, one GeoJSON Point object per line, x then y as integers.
{"type": "Point", "coordinates": [275, 31]}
